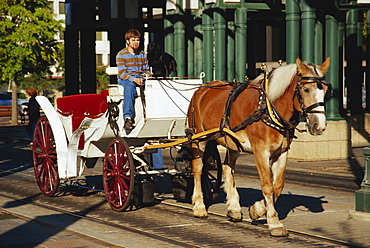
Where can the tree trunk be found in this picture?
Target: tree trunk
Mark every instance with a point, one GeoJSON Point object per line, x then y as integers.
{"type": "Point", "coordinates": [14, 103]}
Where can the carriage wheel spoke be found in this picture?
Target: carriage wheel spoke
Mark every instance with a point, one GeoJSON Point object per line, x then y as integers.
{"type": "Point", "coordinates": [118, 174]}
{"type": "Point", "coordinates": [45, 158]}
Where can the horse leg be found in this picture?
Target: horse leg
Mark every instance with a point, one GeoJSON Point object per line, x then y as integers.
{"type": "Point", "coordinates": [199, 209]}
{"type": "Point", "coordinates": [270, 191]}
{"type": "Point", "coordinates": [232, 196]}
{"type": "Point", "coordinates": [278, 167]}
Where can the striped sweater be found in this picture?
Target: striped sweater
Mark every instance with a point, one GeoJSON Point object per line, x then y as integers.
{"type": "Point", "coordinates": [131, 65]}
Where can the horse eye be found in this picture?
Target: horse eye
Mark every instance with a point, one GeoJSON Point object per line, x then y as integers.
{"type": "Point", "coordinates": [306, 90]}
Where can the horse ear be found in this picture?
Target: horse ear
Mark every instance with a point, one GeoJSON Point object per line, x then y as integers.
{"type": "Point", "coordinates": [302, 69]}
{"type": "Point", "coordinates": [324, 66]}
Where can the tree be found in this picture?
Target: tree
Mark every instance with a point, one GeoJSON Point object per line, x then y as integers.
{"type": "Point", "coordinates": [28, 44]}
{"type": "Point", "coordinates": [102, 78]}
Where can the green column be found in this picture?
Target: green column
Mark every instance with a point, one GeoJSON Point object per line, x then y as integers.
{"type": "Point", "coordinates": [168, 35]}
{"type": "Point", "coordinates": [367, 69]}
{"type": "Point", "coordinates": [220, 44]}
{"type": "Point", "coordinates": [241, 44]}
{"type": "Point", "coordinates": [332, 75]}
{"type": "Point", "coordinates": [190, 46]}
{"type": "Point", "coordinates": [230, 50]}
{"type": "Point", "coordinates": [198, 46]}
{"type": "Point", "coordinates": [292, 30]}
{"type": "Point", "coordinates": [207, 45]}
{"type": "Point", "coordinates": [308, 30]}
{"type": "Point", "coordinates": [362, 196]}
{"type": "Point", "coordinates": [318, 46]}
{"type": "Point", "coordinates": [353, 72]}
{"type": "Point", "coordinates": [180, 52]}
{"type": "Point", "coordinates": [88, 61]}
{"type": "Point", "coordinates": [71, 53]}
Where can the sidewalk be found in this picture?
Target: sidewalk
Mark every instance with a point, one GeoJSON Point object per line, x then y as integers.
{"type": "Point", "coordinates": [306, 209]}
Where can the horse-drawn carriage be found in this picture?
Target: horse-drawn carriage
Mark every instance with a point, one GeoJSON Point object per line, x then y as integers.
{"type": "Point", "coordinates": [80, 129]}
{"type": "Point", "coordinates": [258, 116]}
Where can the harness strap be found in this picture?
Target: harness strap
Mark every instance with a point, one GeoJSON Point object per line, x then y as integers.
{"type": "Point", "coordinates": [234, 93]}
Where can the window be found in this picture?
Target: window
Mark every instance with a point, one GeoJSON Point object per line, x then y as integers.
{"type": "Point", "coordinates": [99, 35]}
{"type": "Point", "coordinates": [62, 10]}
{"type": "Point", "coordinates": [99, 59]}
{"type": "Point", "coordinates": [61, 35]}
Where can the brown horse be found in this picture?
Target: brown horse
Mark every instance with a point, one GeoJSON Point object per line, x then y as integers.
{"type": "Point", "coordinates": [293, 89]}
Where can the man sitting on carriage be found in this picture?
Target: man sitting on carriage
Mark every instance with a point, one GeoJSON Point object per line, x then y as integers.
{"type": "Point", "coordinates": [132, 63]}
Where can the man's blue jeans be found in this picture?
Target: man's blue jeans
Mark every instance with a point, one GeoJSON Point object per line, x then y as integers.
{"type": "Point", "coordinates": [129, 95]}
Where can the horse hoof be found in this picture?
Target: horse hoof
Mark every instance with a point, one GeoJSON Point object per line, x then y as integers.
{"type": "Point", "coordinates": [235, 217]}
{"type": "Point", "coordinates": [279, 232]}
{"type": "Point", "coordinates": [201, 217]}
{"type": "Point", "coordinates": [200, 213]}
{"type": "Point", "coordinates": [253, 214]}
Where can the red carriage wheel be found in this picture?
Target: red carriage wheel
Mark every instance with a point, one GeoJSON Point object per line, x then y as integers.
{"type": "Point", "coordinates": [118, 174]}
{"type": "Point", "coordinates": [212, 173]}
{"type": "Point", "coordinates": [45, 158]}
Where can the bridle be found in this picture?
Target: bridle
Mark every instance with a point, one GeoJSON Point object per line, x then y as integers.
{"type": "Point", "coordinates": [319, 81]}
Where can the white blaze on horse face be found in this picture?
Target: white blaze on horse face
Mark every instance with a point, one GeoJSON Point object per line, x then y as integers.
{"type": "Point", "coordinates": [316, 122]}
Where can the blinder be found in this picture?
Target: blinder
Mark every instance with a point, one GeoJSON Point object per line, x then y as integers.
{"type": "Point", "coordinates": [319, 82]}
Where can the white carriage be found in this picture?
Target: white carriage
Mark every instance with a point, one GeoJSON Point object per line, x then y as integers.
{"type": "Point", "coordinates": [80, 129]}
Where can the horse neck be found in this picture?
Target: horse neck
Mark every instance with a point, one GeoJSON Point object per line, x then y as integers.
{"type": "Point", "coordinates": [285, 104]}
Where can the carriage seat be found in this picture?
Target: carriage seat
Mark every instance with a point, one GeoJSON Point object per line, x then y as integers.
{"type": "Point", "coordinates": [81, 106]}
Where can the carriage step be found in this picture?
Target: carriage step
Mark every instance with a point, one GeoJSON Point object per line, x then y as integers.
{"type": "Point", "coordinates": [155, 172]}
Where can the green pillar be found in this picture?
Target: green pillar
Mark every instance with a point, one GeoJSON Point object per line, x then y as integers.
{"type": "Point", "coordinates": [308, 30]}
{"type": "Point", "coordinates": [332, 75]}
{"type": "Point", "coordinates": [230, 50]}
{"type": "Point", "coordinates": [353, 72]}
{"type": "Point", "coordinates": [207, 45]}
{"type": "Point", "coordinates": [180, 52]}
{"type": "Point", "coordinates": [362, 196]}
{"type": "Point", "coordinates": [292, 30]}
{"type": "Point", "coordinates": [88, 61]}
{"type": "Point", "coordinates": [198, 46]}
{"type": "Point", "coordinates": [318, 46]}
{"type": "Point", "coordinates": [367, 57]}
{"type": "Point", "coordinates": [190, 46]}
{"type": "Point", "coordinates": [241, 44]}
{"type": "Point", "coordinates": [168, 35]}
{"type": "Point", "coordinates": [220, 44]}
{"type": "Point", "coordinates": [71, 53]}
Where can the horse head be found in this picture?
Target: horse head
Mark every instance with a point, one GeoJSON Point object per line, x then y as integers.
{"type": "Point", "coordinates": [311, 90]}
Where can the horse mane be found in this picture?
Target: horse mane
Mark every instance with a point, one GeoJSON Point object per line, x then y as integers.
{"type": "Point", "coordinates": [280, 79]}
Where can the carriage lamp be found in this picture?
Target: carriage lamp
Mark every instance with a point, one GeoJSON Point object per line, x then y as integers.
{"type": "Point", "coordinates": [362, 196]}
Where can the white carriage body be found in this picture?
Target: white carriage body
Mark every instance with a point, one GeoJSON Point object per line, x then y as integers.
{"type": "Point", "coordinates": [81, 134]}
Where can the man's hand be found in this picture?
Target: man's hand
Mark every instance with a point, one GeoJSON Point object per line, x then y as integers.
{"type": "Point", "coordinates": [139, 81]}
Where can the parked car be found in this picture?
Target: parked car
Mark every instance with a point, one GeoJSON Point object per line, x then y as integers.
{"type": "Point", "coordinates": [6, 99]}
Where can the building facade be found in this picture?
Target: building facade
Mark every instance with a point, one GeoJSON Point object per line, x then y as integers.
{"type": "Point", "coordinates": [229, 39]}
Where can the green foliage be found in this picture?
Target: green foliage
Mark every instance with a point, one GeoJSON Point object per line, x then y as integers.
{"type": "Point", "coordinates": [27, 39]}
{"type": "Point", "coordinates": [102, 78]}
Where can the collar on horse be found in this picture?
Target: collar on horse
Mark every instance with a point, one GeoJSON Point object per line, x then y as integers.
{"type": "Point", "coordinates": [266, 110]}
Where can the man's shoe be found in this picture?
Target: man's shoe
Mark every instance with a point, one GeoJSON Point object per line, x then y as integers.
{"type": "Point", "coordinates": [128, 124]}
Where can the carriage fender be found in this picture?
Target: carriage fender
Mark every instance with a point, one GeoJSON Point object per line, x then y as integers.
{"type": "Point", "coordinates": [59, 135]}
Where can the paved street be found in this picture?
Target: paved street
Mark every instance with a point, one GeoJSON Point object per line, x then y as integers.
{"type": "Point", "coordinates": [323, 211]}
